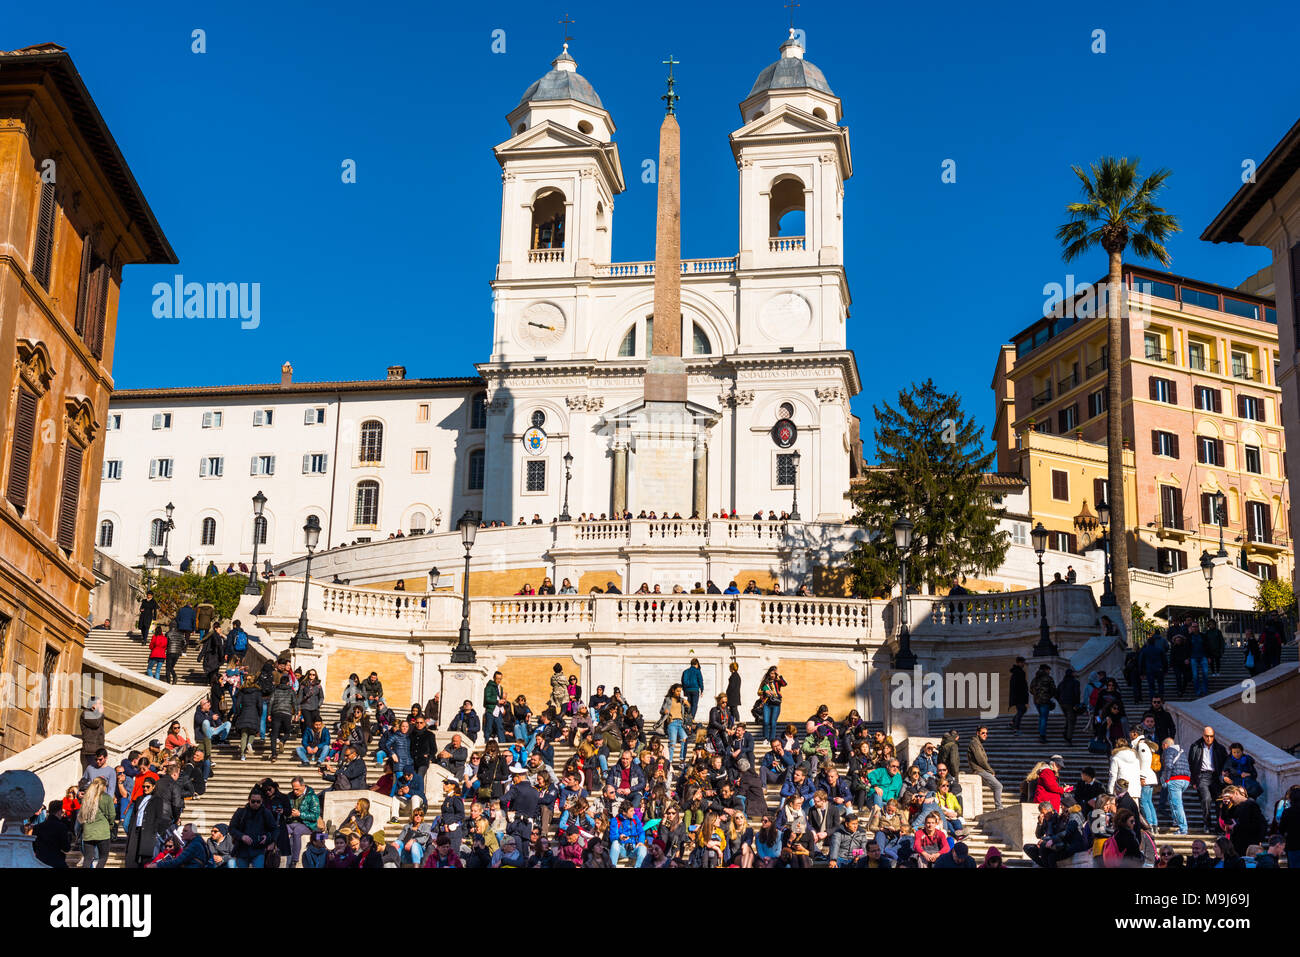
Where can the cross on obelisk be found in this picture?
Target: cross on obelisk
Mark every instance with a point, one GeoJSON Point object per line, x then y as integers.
{"type": "Point", "coordinates": [671, 96]}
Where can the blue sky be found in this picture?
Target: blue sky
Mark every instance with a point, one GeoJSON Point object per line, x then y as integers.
{"type": "Point", "coordinates": [239, 150]}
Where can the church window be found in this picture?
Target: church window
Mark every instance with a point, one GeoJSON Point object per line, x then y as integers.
{"type": "Point", "coordinates": [539, 419]}
{"type": "Point", "coordinates": [785, 470]}
{"type": "Point", "coordinates": [787, 208]}
{"type": "Point", "coordinates": [157, 532]}
{"type": "Point", "coordinates": [548, 220]}
{"type": "Point", "coordinates": [372, 442]}
{"type": "Point", "coordinates": [585, 127]}
{"type": "Point", "coordinates": [478, 411]}
{"type": "Point", "coordinates": [106, 533]}
{"type": "Point", "coordinates": [208, 532]}
{"type": "Point", "coordinates": [260, 525]}
{"type": "Point", "coordinates": [475, 470]}
{"type": "Point", "coordinates": [367, 510]}
{"type": "Point", "coordinates": [535, 476]}
{"type": "Point", "coordinates": [820, 113]}
{"type": "Point", "coordinates": [628, 347]}
{"type": "Point", "coordinates": [700, 344]}
{"type": "Point", "coordinates": [418, 523]}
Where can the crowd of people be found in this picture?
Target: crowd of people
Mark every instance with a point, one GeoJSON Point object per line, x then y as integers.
{"type": "Point", "coordinates": [708, 587]}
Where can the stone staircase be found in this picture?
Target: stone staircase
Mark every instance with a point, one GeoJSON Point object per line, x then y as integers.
{"type": "Point", "coordinates": [1013, 756]}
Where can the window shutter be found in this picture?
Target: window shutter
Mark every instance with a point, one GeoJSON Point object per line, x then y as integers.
{"type": "Point", "coordinates": [24, 440]}
{"type": "Point", "coordinates": [1205, 509]}
{"type": "Point", "coordinates": [1218, 399]}
{"type": "Point", "coordinates": [207, 420]}
{"type": "Point", "coordinates": [1241, 406]}
{"type": "Point", "coordinates": [157, 420]}
{"type": "Point", "coordinates": [257, 417]}
{"type": "Point", "coordinates": [270, 465]}
{"type": "Point", "coordinates": [84, 295]}
{"type": "Point", "coordinates": [219, 467]}
{"type": "Point", "coordinates": [1266, 511]}
{"type": "Point", "coordinates": [309, 417]}
{"type": "Point", "coordinates": [153, 468]}
{"type": "Point", "coordinates": [306, 464]}
{"type": "Point", "coordinates": [325, 462]}
{"type": "Point", "coordinates": [1098, 491]}
{"type": "Point", "coordinates": [70, 498]}
{"type": "Point", "coordinates": [1155, 442]}
{"type": "Point", "coordinates": [99, 309]}
{"type": "Point", "coordinates": [1251, 530]}
{"type": "Point", "coordinates": [252, 466]}
{"type": "Point", "coordinates": [43, 254]}
{"type": "Point", "coordinates": [1178, 507]}
{"type": "Point", "coordinates": [1072, 543]}
{"type": "Point", "coordinates": [1173, 392]}
{"type": "Point", "coordinates": [1151, 383]}
{"type": "Point", "coordinates": [1174, 445]}
{"type": "Point", "coordinates": [1218, 452]}
{"type": "Point", "coordinates": [203, 467]}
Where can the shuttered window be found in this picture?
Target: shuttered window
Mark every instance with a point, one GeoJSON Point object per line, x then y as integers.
{"type": "Point", "coordinates": [70, 498]}
{"type": "Point", "coordinates": [20, 452]}
{"type": "Point", "coordinates": [43, 254]}
{"type": "Point", "coordinates": [1164, 443]}
{"type": "Point", "coordinates": [1171, 506]}
{"type": "Point", "coordinates": [1209, 451]}
{"type": "Point", "coordinates": [83, 286]}
{"type": "Point", "coordinates": [1060, 485]}
{"type": "Point", "coordinates": [1100, 491]}
{"type": "Point", "coordinates": [1295, 293]}
{"type": "Point", "coordinates": [1259, 522]}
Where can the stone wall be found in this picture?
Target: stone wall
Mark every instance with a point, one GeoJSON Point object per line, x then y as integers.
{"type": "Point", "coordinates": [395, 671]}
{"type": "Point", "coordinates": [811, 684]}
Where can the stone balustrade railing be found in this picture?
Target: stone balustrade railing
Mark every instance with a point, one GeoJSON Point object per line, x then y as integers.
{"type": "Point", "coordinates": [364, 611]}
{"type": "Point", "coordinates": [690, 267]}
{"type": "Point", "coordinates": [1070, 607]}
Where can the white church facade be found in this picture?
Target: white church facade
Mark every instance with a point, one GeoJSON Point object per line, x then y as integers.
{"type": "Point", "coordinates": [763, 341]}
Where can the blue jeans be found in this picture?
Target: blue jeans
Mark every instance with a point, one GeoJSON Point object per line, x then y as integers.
{"type": "Point", "coordinates": [521, 731]}
{"type": "Point", "coordinates": [693, 699]}
{"type": "Point", "coordinates": [677, 732]}
{"type": "Point", "coordinates": [220, 733]}
{"type": "Point", "coordinates": [306, 758]}
{"type": "Point", "coordinates": [266, 706]}
{"type": "Point", "coordinates": [257, 860]}
{"type": "Point", "coordinates": [617, 852]}
{"type": "Point", "coordinates": [1201, 676]}
{"type": "Point", "coordinates": [1043, 711]}
{"type": "Point", "coordinates": [1149, 805]}
{"type": "Point", "coordinates": [493, 727]}
{"type": "Point", "coordinates": [771, 715]}
{"type": "Point", "coordinates": [1175, 791]}
{"type": "Point", "coordinates": [155, 668]}
{"type": "Point", "coordinates": [415, 855]}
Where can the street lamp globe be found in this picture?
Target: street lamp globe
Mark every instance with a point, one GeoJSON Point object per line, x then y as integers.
{"type": "Point", "coordinates": [259, 503]}
{"type": "Point", "coordinates": [468, 526]}
{"type": "Point", "coordinates": [1103, 513]}
{"type": "Point", "coordinates": [903, 534]}
{"type": "Point", "coordinates": [150, 560]}
{"type": "Point", "coordinates": [311, 532]}
{"type": "Point", "coordinates": [1039, 535]}
{"type": "Point", "coordinates": [1207, 566]}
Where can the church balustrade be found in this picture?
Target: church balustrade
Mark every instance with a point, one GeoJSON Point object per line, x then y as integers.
{"type": "Point", "coordinates": [690, 267]}
{"type": "Point", "coordinates": [563, 611]}
{"type": "Point", "coordinates": [599, 531]}
{"type": "Point", "coordinates": [787, 244]}
{"type": "Point", "coordinates": [676, 529]}
{"type": "Point", "coordinates": [754, 529]}
{"type": "Point", "coordinates": [822, 614]}
{"type": "Point", "coordinates": [546, 255]}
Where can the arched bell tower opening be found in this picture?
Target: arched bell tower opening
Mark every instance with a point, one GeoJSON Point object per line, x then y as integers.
{"type": "Point", "coordinates": [786, 208]}
{"type": "Point", "coordinates": [548, 220]}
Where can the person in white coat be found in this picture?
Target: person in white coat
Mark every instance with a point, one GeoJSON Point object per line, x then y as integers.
{"type": "Point", "coordinates": [1125, 765]}
{"type": "Point", "coordinates": [1150, 778]}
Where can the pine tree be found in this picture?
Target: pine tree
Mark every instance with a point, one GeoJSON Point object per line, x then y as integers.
{"type": "Point", "coordinates": [931, 462]}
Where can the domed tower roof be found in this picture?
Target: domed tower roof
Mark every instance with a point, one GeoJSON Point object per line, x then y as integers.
{"type": "Point", "coordinates": [563, 82]}
{"type": "Point", "coordinates": [791, 72]}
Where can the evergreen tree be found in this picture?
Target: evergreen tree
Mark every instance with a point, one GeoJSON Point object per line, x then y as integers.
{"type": "Point", "coordinates": [931, 461]}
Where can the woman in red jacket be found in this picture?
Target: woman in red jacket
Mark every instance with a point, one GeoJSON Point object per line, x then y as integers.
{"type": "Point", "coordinates": [1048, 787]}
{"type": "Point", "coordinates": [157, 653]}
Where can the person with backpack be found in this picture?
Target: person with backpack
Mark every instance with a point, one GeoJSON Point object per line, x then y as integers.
{"type": "Point", "coordinates": [236, 642]}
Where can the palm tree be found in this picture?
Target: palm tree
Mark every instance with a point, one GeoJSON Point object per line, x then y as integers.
{"type": "Point", "coordinates": [1117, 211]}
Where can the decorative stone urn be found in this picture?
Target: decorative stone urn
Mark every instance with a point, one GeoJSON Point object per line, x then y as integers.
{"type": "Point", "coordinates": [21, 796]}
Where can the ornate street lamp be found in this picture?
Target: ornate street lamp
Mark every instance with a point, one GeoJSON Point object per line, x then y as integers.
{"type": "Point", "coordinates": [150, 563]}
{"type": "Point", "coordinates": [1044, 648]}
{"type": "Point", "coordinates": [259, 502]}
{"type": "Point", "coordinates": [794, 505]}
{"type": "Point", "coordinates": [568, 474]}
{"type": "Point", "coordinates": [463, 653]}
{"type": "Point", "coordinates": [904, 660]}
{"type": "Point", "coordinates": [1103, 518]}
{"type": "Point", "coordinates": [1207, 569]}
{"type": "Point", "coordinates": [311, 535]}
{"type": "Point", "coordinates": [167, 534]}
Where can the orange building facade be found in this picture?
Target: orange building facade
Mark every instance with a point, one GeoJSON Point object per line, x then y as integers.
{"type": "Point", "coordinates": [1200, 411]}
{"type": "Point", "coordinates": [71, 217]}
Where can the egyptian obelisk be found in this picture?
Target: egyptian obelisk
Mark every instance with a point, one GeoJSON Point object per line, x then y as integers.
{"type": "Point", "coordinates": [665, 433]}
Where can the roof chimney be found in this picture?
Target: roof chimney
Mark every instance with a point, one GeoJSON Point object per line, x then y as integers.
{"type": "Point", "coordinates": [396, 372]}
{"type": "Point", "coordinates": [286, 373]}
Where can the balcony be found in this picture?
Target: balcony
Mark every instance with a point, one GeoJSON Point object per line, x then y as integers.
{"type": "Point", "coordinates": [1160, 355]}
{"type": "Point", "coordinates": [786, 244]}
{"type": "Point", "coordinates": [1095, 367]}
{"type": "Point", "coordinates": [1043, 397]}
{"type": "Point", "coordinates": [690, 267]}
{"type": "Point", "coordinates": [546, 255]}
{"type": "Point", "coordinates": [1202, 364]}
{"type": "Point", "coordinates": [1066, 384]}
{"type": "Point", "coordinates": [1250, 375]}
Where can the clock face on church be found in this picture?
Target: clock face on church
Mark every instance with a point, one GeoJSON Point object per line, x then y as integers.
{"type": "Point", "coordinates": [540, 325]}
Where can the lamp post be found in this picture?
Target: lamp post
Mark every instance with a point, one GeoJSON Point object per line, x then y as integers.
{"type": "Point", "coordinates": [794, 505]}
{"type": "Point", "coordinates": [1221, 516]}
{"type": "Point", "coordinates": [1103, 519]}
{"type": "Point", "coordinates": [167, 534]}
{"type": "Point", "coordinates": [259, 502]}
{"type": "Point", "coordinates": [1044, 648]}
{"type": "Point", "coordinates": [1207, 569]}
{"type": "Point", "coordinates": [568, 474]}
{"type": "Point", "coordinates": [463, 653]}
{"type": "Point", "coordinates": [434, 575]}
{"type": "Point", "coordinates": [311, 535]}
{"type": "Point", "coordinates": [150, 563]}
{"type": "Point", "coordinates": [904, 660]}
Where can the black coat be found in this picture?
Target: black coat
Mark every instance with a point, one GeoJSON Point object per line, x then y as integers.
{"type": "Point", "coordinates": [1219, 757]}
{"type": "Point", "coordinates": [349, 777]}
{"type": "Point", "coordinates": [169, 797]}
{"type": "Point", "coordinates": [92, 732]}
{"type": "Point", "coordinates": [1019, 693]}
{"type": "Point", "coordinates": [733, 690]}
{"type": "Point", "coordinates": [53, 839]}
{"type": "Point", "coordinates": [1067, 693]}
{"type": "Point", "coordinates": [258, 824]}
{"type": "Point", "coordinates": [1247, 825]}
{"type": "Point", "coordinates": [140, 840]}
{"type": "Point", "coordinates": [248, 710]}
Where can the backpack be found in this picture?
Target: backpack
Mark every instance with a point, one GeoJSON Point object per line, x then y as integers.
{"type": "Point", "coordinates": [1156, 763]}
{"type": "Point", "coordinates": [241, 641]}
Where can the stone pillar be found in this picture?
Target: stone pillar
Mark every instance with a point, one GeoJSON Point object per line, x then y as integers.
{"type": "Point", "coordinates": [700, 500]}
{"type": "Point", "coordinates": [619, 504]}
{"type": "Point", "coordinates": [460, 682]}
{"type": "Point", "coordinates": [901, 721]}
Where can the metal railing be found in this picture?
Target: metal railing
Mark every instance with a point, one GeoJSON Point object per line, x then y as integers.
{"type": "Point", "coordinates": [1068, 383]}
{"type": "Point", "coordinates": [1203, 364]}
{"type": "Point", "coordinates": [1096, 366]}
{"type": "Point", "coordinates": [1042, 398]}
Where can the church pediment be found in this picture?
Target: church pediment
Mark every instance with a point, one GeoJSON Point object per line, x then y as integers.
{"type": "Point", "coordinates": [786, 120]}
{"type": "Point", "coordinates": [548, 135]}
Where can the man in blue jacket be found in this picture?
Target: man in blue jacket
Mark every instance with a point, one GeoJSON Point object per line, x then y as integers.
{"type": "Point", "coordinates": [626, 837]}
{"type": "Point", "coordinates": [466, 722]}
{"type": "Point", "coordinates": [315, 743]}
{"type": "Point", "coordinates": [195, 853]}
{"type": "Point", "coordinates": [693, 685]}
{"type": "Point", "coordinates": [777, 764]}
